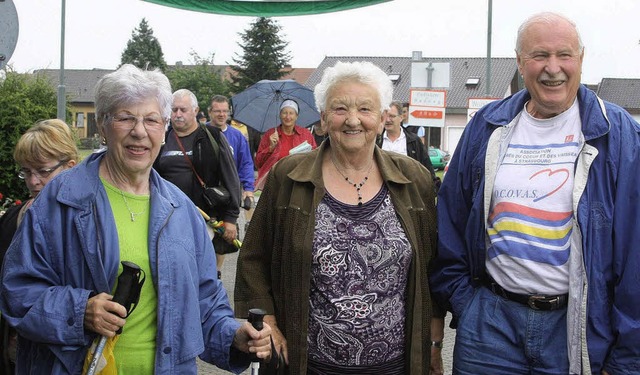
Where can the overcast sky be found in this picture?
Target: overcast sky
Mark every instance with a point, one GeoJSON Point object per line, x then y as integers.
{"type": "Point", "coordinates": [97, 32]}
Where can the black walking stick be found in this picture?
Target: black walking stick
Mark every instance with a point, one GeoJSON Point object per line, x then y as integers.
{"type": "Point", "coordinates": [255, 318]}
{"type": "Point", "coordinates": [127, 294]}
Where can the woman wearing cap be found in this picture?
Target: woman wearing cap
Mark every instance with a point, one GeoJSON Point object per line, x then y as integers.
{"type": "Point", "coordinates": [339, 246]}
{"type": "Point", "coordinates": [277, 142]}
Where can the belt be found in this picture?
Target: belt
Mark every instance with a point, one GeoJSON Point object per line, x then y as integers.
{"type": "Point", "coordinates": [534, 301]}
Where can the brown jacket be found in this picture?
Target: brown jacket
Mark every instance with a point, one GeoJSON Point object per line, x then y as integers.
{"type": "Point", "coordinates": [275, 261]}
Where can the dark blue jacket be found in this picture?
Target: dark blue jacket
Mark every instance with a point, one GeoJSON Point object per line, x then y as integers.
{"type": "Point", "coordinates": [603, 317]}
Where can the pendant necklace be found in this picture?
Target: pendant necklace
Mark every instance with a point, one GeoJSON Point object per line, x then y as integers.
{"type": "Point", "coordinates": [126, 203]}
{"type": "Point", "coordinates": [359, 185]}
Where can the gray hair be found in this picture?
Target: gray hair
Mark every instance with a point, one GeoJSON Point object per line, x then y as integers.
{"type": "Point", "coordinates": [398, 106]}
{"type": "Point", "coordinates": [358, 71]}
{"type": "Point", "coordinates": [547, 18]}
{"type": "Point", "coordinates": [131, 85]}
{"type": "Point", "coordinates": [184, 92]}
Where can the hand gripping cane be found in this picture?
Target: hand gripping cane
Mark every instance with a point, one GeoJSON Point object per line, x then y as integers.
{"type": "Point", "coordinates": [218, 226]}
{"type": "Point", "coordinates": [127, 294]}
{"type": "Point", "coordinates": [255, 318]}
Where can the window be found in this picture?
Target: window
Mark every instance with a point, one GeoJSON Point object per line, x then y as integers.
{"type": "Point", "coordinates": [472, 81]}
{"type": "Point", "coordinates": [394, 77]}
{"type": "Point", "coordinates": [80, 119]}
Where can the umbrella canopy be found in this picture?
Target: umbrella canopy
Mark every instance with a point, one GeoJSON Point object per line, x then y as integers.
{"type": "Point", "coordinates": [266, 8]}
{"type": "Point", "coordinates": [259, 105]}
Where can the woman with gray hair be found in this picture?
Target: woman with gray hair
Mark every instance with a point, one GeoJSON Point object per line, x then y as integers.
{"type": "Point", "coordinates": [62, 266]}
{"type": "Point", "coordinates": [341, 241]}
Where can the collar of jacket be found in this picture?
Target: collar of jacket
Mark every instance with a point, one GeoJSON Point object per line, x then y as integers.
{"type": "Point", "coordinates": [310, 168]}
{"type": "Point", "coordinates": [594, 120]}
{"type": "Point", "coordinates": [82, 194]}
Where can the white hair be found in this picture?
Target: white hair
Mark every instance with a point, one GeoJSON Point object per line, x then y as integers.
{"type": "Point", "coordinates": [184, 92]}
{"type": "Point", "coordinates": [358, 71]}
{"type": "Point", "coordinates": [128, 85]}
{"type": "Point", "coordinates": [547, 18]}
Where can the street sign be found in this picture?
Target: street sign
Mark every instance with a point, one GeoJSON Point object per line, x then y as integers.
{"type": "Point", "coordinates": [433, 114]}
{"type": "Point", "coordinates": [476, 103]}
{"type": "Point", "coordinates": [430, 75]}
{"type": "Point", "coordinates": [8, 30]}
{"type": "Point", "coordinates": [426, 116]}
{"type": "Point", "coordinates": [428, 98]}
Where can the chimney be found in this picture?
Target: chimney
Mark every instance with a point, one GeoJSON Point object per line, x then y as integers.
{"type": "Point", "coordinates": [416, 55]}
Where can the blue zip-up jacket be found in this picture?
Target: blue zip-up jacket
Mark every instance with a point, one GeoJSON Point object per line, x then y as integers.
{"type": "Point", "coordinates": [242, 156]}
{"type": "Point", "coordinates": [67, 247]}
{"type": "Point", "coordinates": [603, 316]}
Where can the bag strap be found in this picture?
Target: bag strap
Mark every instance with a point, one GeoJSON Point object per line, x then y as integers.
{"type": "Point", "coordinates": [214, 144]}
{"type": "Point", "coordinates": [184, 153]}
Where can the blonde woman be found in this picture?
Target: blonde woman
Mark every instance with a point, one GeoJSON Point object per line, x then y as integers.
{"type": "Point", "coordinates": [44, 150]}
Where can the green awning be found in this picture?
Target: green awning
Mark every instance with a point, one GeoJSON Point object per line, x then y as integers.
{"type": "Point", "coordinates": [266, 8]}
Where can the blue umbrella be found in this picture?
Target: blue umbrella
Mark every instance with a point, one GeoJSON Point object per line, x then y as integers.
{"type": "Point", "coordinates": [259, 105]}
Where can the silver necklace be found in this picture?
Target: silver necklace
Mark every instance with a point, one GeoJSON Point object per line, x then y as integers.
{"type": "Point", "coordinates": [357, 186]}
{"type": "Point", "coordinates": [126, 203]}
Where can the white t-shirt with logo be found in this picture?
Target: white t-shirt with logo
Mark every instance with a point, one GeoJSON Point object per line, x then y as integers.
{"type": "Point", "coordinates": [531, 213]}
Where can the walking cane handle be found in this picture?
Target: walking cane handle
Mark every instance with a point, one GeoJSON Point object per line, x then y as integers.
{"type": "Point", "coordinates": [255, 318]}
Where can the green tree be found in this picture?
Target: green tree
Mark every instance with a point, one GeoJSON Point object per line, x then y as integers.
{"type": "Point", "coordinates": [202, 78]}
{"type": "Point", "coordinates": [264, 54]}
{"type": "Point", "coordinates": [24, 99]}
{"type": "Point", "coordinates": [143, 49]}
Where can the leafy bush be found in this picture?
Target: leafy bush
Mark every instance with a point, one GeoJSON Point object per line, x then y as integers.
{"type": "Point", "coordinates": [24, 99]}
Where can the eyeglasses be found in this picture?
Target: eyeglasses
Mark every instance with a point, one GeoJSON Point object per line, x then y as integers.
{"type": "Point", "coordinates": [392, 117]}
{"type": "Point", "coordinates": [44, 173]}
{"type": "Point", "coordinates": [220, 111]}
{"type": "Point", "coordinates": [152, 123]}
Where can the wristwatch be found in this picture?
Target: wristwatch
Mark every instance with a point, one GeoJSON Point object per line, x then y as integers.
{"type": "Point", "coordinates": [436, 344]}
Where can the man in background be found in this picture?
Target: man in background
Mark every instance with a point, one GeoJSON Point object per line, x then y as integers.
{"type": "Point", "coordinates": [395, 138]}
{"type": "Point", "coordinates": [219, 114]}
{"type": "Point", "coordinates": [189, 158]}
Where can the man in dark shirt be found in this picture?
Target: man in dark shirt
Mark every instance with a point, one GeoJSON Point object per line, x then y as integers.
{"type": "Point", "coordinates": [189, 159]}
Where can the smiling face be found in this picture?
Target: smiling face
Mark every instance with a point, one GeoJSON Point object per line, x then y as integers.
{"type": "Point", "coordinates": [352, 117]}
{"type": "Point", "coordinates": [550, 61]}
{"type": "Point", "coordinates": [134, 137]}
{"type": "Point", "coordinates": [219, 113]}
{"type": "Point", "coordinates": [288, 118]}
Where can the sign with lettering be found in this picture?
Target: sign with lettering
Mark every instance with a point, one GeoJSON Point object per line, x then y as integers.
{"type": "Point", "coordinates": [428, 98]}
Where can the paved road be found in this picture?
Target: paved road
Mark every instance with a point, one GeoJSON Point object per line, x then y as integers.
{"type": "Point", "coordinates": [228, 279]}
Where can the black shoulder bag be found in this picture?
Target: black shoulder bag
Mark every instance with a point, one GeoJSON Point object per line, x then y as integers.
{"type": "Point", "coordinates": [214, 196]}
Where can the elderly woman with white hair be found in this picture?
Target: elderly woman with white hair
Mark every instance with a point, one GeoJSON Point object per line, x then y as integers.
{"type": "Point", "coordinates": [340, 243]}
{"type": "Point", "coordinates": [63, 264]}
{"type": "Point", "coordinates": [276, 143]}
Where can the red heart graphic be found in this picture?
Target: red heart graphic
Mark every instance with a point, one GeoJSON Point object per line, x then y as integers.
{"type": "Point", "coordinates": [550, 173]}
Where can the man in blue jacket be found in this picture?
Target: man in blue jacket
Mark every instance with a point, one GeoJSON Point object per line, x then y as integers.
{"type": "Point", "coordinates": [219, 114]}
{"type": "Point", "coordinates": [538, 223]}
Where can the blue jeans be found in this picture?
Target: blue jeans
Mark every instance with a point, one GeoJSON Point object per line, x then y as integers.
{"type": "Point", "coordinates": [498, 336]}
